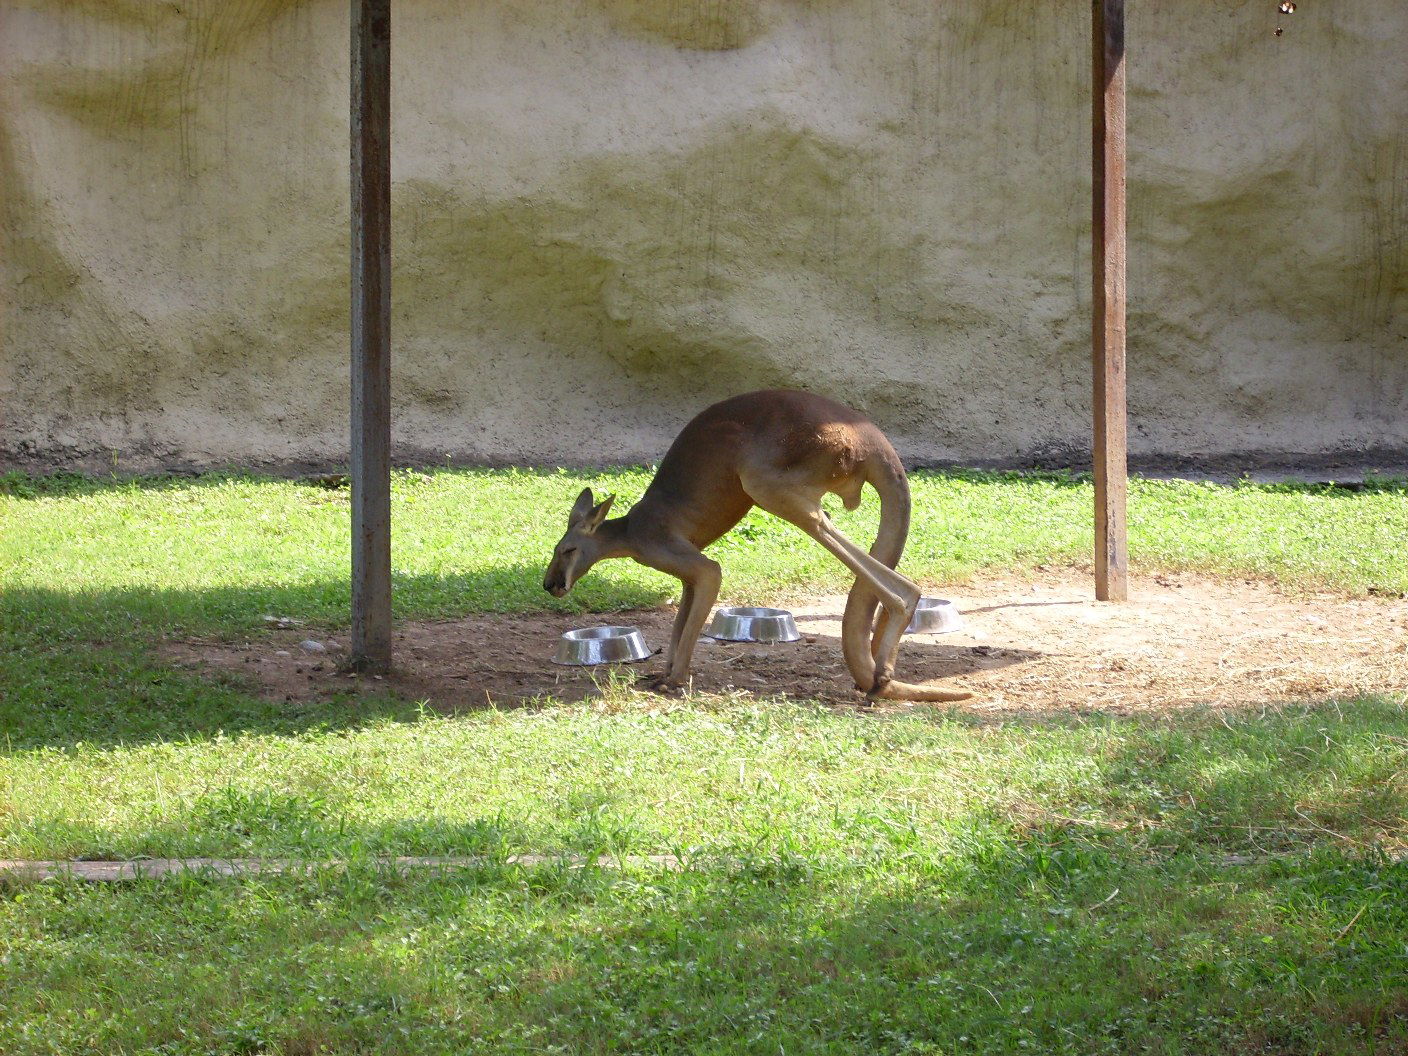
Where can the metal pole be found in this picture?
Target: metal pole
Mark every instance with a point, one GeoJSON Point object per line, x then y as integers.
{"type": "Point", "coordinates": [371, 335]}
{"type": "Point", "coordinates": [1109, 254]}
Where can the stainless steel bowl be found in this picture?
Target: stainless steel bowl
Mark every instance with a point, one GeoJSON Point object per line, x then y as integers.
{"type": "Point", "coordinates": [743, 623]}
{"type": "Point", "coordinates": [601, 645]}
{"type": "Point", "coordinates": [935, 616]}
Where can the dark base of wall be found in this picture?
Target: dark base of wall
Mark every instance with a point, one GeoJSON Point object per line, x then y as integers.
{"type": "Point", "coordinates": [1345, 466]}
{"type": "Point", "coordinates": [1261, 466]}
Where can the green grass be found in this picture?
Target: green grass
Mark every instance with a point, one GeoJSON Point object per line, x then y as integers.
{"type": "Point", "coordinates": [920, 883]}
{"type": "Point", "coordinates": [221, 550]}
{"type": "Point", "coordinates": [911, 884]}
{"type": "Point", "coordinates": [767, 778]}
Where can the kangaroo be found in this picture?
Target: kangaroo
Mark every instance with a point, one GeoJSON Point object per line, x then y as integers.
{"type": "Point", "coordinates": [782, 451]}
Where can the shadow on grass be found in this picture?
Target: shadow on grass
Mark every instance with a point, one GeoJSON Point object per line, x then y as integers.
{"type": "Point", "coordinates": [67, 683]}
{"type": "Point", "coordinates": [32, 613]}
{"type": "Point", "coordinates": [1049, 943]}
{"type": "Point", "coordinates": [82, 667]}
{"type": "Point", "coordinates": [22, 485]}
{"type": "Point", "coordinates": [85, 667]}
{"type": "Point", "coordinates": [1269, 783]}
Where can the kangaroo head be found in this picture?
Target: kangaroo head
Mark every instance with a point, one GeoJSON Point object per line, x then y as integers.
{"type": "Point", "coordinates": [579, 548]}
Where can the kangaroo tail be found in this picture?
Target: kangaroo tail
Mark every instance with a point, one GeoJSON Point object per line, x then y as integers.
{"type": "Point", "coordinates": [888, 479]}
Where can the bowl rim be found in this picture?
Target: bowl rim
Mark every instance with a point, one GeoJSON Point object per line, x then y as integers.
{"type": "Point", "coordinates": [575, 645]}
{"type": "Point", "coordinates": [729, 624]}
{"type": "Point", "coordinates": [939, 611]}
{"type": "Point", "coordinates": [752, 612]}
{"type": "Point", "coordinates": [603, 633]}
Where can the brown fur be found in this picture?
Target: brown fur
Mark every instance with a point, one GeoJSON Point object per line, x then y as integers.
{"type": "Point", "coordinates": [782, 451]}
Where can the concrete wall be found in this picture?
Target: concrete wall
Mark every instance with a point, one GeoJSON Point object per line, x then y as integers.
{"type": "Point", "coordinates": [611, 212]}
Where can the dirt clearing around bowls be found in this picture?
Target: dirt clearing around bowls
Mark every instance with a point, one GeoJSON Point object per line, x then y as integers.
{"type": "Point", "coordinates": [1036, 644]}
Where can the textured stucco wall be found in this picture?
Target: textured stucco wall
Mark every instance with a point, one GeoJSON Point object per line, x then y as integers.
{"type": "Point", "coordinates": [610, 212]}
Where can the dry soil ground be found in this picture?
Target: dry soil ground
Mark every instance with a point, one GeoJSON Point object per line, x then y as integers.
{"type": "Point", "coordinates": [1032, 644]}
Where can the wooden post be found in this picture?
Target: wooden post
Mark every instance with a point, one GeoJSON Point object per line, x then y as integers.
{"type": "Point", "coordinates": [371, 335]}
{"type": "Point", "coordinates": [1108, 254]}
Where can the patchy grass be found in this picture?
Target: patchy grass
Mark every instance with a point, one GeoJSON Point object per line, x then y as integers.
{"type": "Point", "coordinates": [920, 883]}
{"type": "Point", "coordinates": [897, 885]}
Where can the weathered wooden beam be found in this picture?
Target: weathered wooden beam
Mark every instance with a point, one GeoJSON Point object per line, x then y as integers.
{"type": "Point", "coordinates": [212, 868]}
{"type": "Point", "coordinates": [371, 335]}
{"type": "Point", "coordinates": [1109, 257]}
{"type": "Point", "coordinates": [156, 868]}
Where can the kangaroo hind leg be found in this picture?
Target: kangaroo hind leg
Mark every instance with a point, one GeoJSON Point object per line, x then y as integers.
{"type": "Point", "coordinates": [794, 502]}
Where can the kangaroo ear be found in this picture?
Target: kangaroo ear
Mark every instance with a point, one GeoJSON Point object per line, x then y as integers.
{"type": "Point", "coordinates": [581, 508]}
{"type": "Point", "coordinates": [598, 515]}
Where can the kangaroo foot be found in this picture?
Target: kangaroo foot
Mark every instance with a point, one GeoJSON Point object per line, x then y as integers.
{"type": "Point", "coordinates": [660, 682]}
{"type": "Point", "coordinates": [876, 691]}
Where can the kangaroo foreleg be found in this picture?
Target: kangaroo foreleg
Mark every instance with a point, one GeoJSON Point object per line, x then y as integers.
{"type": "Point", "coordinates": [681, 618]}
{"type": "Point", "coordinates": [700, 578]}
{"type": "Point", "coordinates": [656, 679]}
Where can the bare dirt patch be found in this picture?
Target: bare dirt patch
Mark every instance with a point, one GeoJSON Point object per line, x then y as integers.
{"type": "Point", "coordinates": [1036, 644]}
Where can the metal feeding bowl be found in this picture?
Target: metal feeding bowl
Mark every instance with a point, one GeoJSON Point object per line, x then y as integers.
{"type": "Point", "coordinates": [935, 616]}
{"type": "Point", "coordinates": [742, 623]}
{"type": "Point", "coordinates": [601, 645]}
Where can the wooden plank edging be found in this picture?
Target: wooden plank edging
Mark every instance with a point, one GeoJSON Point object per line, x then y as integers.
{"type": "Point", "coordinates": [148, 868]}
{"type": "Point", "coordinates": [157, 868]}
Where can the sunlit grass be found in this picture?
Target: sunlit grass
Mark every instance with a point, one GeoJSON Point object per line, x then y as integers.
{"type": "Point", "coordinates": [714, 777]}
{"type": "Point", "coordinates": [216, 549]}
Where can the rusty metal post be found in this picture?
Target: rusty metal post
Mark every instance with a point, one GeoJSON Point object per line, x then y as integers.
{"type": "Point", "coordinates": [371, 335]}
{"type": "Point", "coordinates": [1108, 252]}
